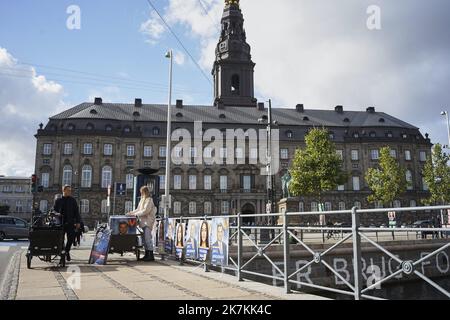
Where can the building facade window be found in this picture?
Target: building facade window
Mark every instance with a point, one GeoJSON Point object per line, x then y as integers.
{"type": "Point", "coordinates": [422, 156]}
{"type": "Point", "coordinates": [130, 150]}
{"type": "Point", "coordinates": [397, 204]}
{"type": "Point", "coordinates": [86, 176]}
{"type": "Point", "coordinates": [177, 182]}
{"type": "Point", "coordinates": [208, 208]}
{"type": "Point", "coordinates": [129, 180]}
{"type": "Point", "coordinates": [355, 155]}
{"type": "Point", "coordinates": [107, 149]}
{"type": "Point", "coordinates": [148, 151]}
{"type": "Point", "coordinates": [45, 179]}
{"type": "Point", "coordinates": [87, 149]}
{"type": "Point", "coordinates": [407, 155]}
{"type": "Point", "coordinates": [192, 182]}
{"type": "Point", "coordinates": [192, 207]}
{"type": "Point", "coordinates": [424, 184]}
{"type": "Point", "coordinates": [239, 152]}
{"type": "Point", "coordinates": [162, 152]}
{"type": "Point", "coordinates": [207, 182]}
{"type": "Point", "coordinates": [341, 205]}
{"type": "Point", "coordinates": [84, 206]}
{"type": "Point", "coordinates": [67, 149]}
{"type": "Point", "coordinates": [409, 180]}
{"type": "Point", "coordinates": [104, 206]}
{"type": "Point", "coordinates": [247, 183]}
{"type": "Point", "coordinates": [356, 185]}
{"type": "Point", "coordinates": [413, 203]}
{"type": "Point", "coordinates": [393, 153]}
{"type": "Point", "coordinates": [106, 176]}
{"type": "Point", "coordinates": [225, 207]}
{"type": "Point", "coordinates": [223, 183]}
{"type": "Point", "coordinates": [19, 206]}
{"type": "Point", "coordinates": [162, 181]}
{"type": "Point", "coordinates": [207, 153]}
{"type": "Point", "coordinates": [284, 154]}
{"type": "Point", "coordinates": [128, 206]}
{"type": "Point", "coordinates": [177, 207]}
{"type": "Point", "coordinates": [357, 204]}
{"type": "Point", "coordinates": [67, 175]}
{"type": "Point", "coordinates": [253, 153]}
{"type": "Point", "coordinates": [43, 205]}
{"type": "Point", "coordinates": [314, 206]}
{"type": "Point", "coordinates": [341, 187]}
{"type": "Point", "coordinates": [328, 206]}
{"type": "Point", "coordinates": [301, 206]}
{"type": "Point", "coordinates": [340, 154]}
{"type": "Point", "coordinates": [47, 149]}
{"type": "Point", "coordinates": [374, 154]}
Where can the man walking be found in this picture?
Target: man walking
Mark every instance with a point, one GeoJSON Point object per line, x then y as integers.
{"type": "Point", "coordinates": [67, 206]}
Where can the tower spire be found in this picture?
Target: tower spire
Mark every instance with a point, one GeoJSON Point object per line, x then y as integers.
{"type": "Point", "coordinates": [233, 67]}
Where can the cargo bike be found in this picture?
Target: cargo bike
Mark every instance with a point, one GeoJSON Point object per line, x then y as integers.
{"type": "Point", "coordinates": [47, 239]}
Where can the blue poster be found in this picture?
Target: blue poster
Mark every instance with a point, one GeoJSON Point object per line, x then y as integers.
{"type": "Point", "coordinates": [100, 247]}
{"type": "Point", "coordinates": [204, 235]}
{"type": "Point", "coordinates": [179, 239]}
{"type": "Point", "coordinates": [169, 235]}
{"type": "Point", "coordinates": [191, 240]}
{"type": "Point", "coordinates": [220, 234]}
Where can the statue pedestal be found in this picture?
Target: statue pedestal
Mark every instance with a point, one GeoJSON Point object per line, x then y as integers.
{"type": "Point", "coordinates": [288, 205]}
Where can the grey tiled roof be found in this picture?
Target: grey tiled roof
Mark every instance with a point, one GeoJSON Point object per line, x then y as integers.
{"type": "Point", "coordinates": [231, 115]}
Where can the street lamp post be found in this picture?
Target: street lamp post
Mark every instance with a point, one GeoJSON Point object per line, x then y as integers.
{"type": "Point", "coordinates": [445, 113]}
{"type": "Point", "coordinates": [167, 202]}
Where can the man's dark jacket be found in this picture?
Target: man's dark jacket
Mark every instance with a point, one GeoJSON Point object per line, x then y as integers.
{"type": "Point", "coordinates": [68, 207]}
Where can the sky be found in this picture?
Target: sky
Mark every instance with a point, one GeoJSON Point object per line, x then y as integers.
{"type": "Point", "coordinates": [317, 52]}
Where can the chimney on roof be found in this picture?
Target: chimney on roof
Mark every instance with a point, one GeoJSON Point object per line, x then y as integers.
{"type": "Point", "coordinates": [179, 104]}
{"type": "Point", "coordinates": [261, 106]}
{"type": "Point", "coordinates": [370, 109]}
{"type": "Point", "coordinates": [138, 103]}
{"type": "Point", "coordinates": [339, 109]}
{"type": "Point", "coordinates": [98, 101]}
{"type": "Point", "coordinates": [300, 108]}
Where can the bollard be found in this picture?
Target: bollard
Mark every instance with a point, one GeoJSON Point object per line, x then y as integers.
{"type": "Point", "coordinates": [356, 253]}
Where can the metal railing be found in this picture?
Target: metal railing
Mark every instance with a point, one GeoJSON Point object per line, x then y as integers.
{"type": "Point", "coordinates": [285, 232]}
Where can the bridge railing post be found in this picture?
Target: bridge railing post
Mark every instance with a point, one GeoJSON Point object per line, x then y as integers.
{"type": "Point", "coordinates": [356, 253]}
{"type": "Point", "coordinates": [239, 248]}
{"type": "Point", "coordinates": [286, 252]}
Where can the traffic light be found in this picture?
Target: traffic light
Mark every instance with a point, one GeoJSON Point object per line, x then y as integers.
{"type": "Point", "coordinates": [33, 183]}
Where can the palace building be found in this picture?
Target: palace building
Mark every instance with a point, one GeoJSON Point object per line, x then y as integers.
{"type": "Point", "coordinates": [96, 144]}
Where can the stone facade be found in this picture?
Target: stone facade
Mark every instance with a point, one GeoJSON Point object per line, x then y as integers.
{"type": "Point", "coordinates": [15, 192]}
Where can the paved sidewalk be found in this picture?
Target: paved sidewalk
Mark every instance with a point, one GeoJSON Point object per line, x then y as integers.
{"type": "Point", "coordinates": [125, 279]}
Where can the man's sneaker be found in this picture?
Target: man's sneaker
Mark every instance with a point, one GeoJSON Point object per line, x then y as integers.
{"type": "Point", "coordinates": [68, 256]}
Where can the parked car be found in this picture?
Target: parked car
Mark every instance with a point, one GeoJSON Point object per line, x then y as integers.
{"type": "Point", "coordinates": [13, 228]}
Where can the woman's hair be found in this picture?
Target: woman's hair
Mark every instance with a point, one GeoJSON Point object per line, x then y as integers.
{"type": "Point", "coordinates": [204, 243]}
{"type": "Point", "coordinates": [145, 192]}
{"type": "Point", "coordinates": [180, 239]}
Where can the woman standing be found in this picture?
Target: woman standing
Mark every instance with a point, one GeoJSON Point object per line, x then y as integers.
{"type": "Point", "coordinates": [146, 213]}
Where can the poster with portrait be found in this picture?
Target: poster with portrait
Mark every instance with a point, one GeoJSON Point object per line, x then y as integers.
{"type": "Point", "coordinates": [179, 240]}
{"type": "Point", "coordinates": [122, 225]}
{"type": "Point", "coordinates": [161, 236]}
{"type": "Point", "coordinates": [204, 242]}
{"type": "Point", "coordinates": [169, 235]}
{"type": "Point", "coordinates": [191, 239]}
{"type": "Point", "coordinates": [220, 234]}
{"type": "Point", "coordinates": [100, 247]}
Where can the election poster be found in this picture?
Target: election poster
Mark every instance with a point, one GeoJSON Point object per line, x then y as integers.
{"type": "Point", "coordinates": [161, 236]}
{"type": "Point", "coordinates": [179, 240]}
{"type": "Point", "coordinates": [204, 240]}
{"type": "Point", "coordinates": [191, 239]}
{"type": "Point", "coordinates": [100, 247]}
{"type": "Point", "coordinates": [122, 225]}
{"type": "Point", "coordinates": [169, 235]}
{"type": "Point", "coordinates": [220, 234]}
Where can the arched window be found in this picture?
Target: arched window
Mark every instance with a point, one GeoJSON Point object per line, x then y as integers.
{"type": "Point", "coordinates": [235, 84]}
{"type": "Point", "coordinates": [67, 175]}
{"type": "Point", "coordinates": [342, 205]}
{"type": "Point", "coordinates": [89, 126]}
{"type": "Point", "coordinates": [314, 206]}
{"type": "Point", "coordinates": [409, 180]}
{"type": "Point", "coordinates": [357, 204]}
{"type": "Point", "coordinates": [86, 176]}
{"type": "Point", "coordinates": [397, 204]}
{"type": "Point", "coordinates": [106, 176]}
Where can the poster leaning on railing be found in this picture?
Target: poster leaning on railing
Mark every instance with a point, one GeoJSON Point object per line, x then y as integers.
{"type": "Point", "coordinates": [169, 235]}
{"type": "Point", "coordinates": [220, 234]}
{"type": "Point", "coordinates": [204, 243]}
{"type": "Point", "coordinates": [161, 236]}
{"type": "Point", "coordinates": [191, 239]}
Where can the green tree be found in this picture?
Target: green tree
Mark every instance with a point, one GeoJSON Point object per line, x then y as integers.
{"type": "Point", "coordinates": [317, 168]}
{"type": "Point", "coordinates": [388, 180]}
{"type": "Point", "coordinates": [436, 173]}
{"type": "Point", "coordinates": [4, 210]}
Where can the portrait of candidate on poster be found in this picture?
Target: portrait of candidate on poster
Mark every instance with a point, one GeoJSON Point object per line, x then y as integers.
{"type": "Point", "coordinates": [179, 239]}
{"type": "Point", "coordinates": [169, 235]}
{"type": "Point", "coordinates": [122, 225]}
{"type": "Point", "coordinates": [220, 234]}
{"type": "Point", "coordinates": [204, 235]}
{"type": "Point", "coordinates": [100, 247]}
{"type": "Point", "coordinates": [191, 239]}
{"type": "Point", "coordinates": [161, 236]}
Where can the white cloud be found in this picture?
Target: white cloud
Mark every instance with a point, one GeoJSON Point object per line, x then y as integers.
{"type": "Point", "coordinates": [179, 58]}
{"type": "Point", "coordinates": [321, 53]}
{"type": "Point", "coordinates": [152, 28]}
{"type": "Point", "coordinates": [26, 99]}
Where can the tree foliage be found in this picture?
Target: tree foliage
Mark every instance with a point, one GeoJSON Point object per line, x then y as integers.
{"type": "Point", "coordinates": [388, 180]}
{"type": "Point", "coordinates": [436, 174]}
{"type": "Point", "coordinates": [317, 168]}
